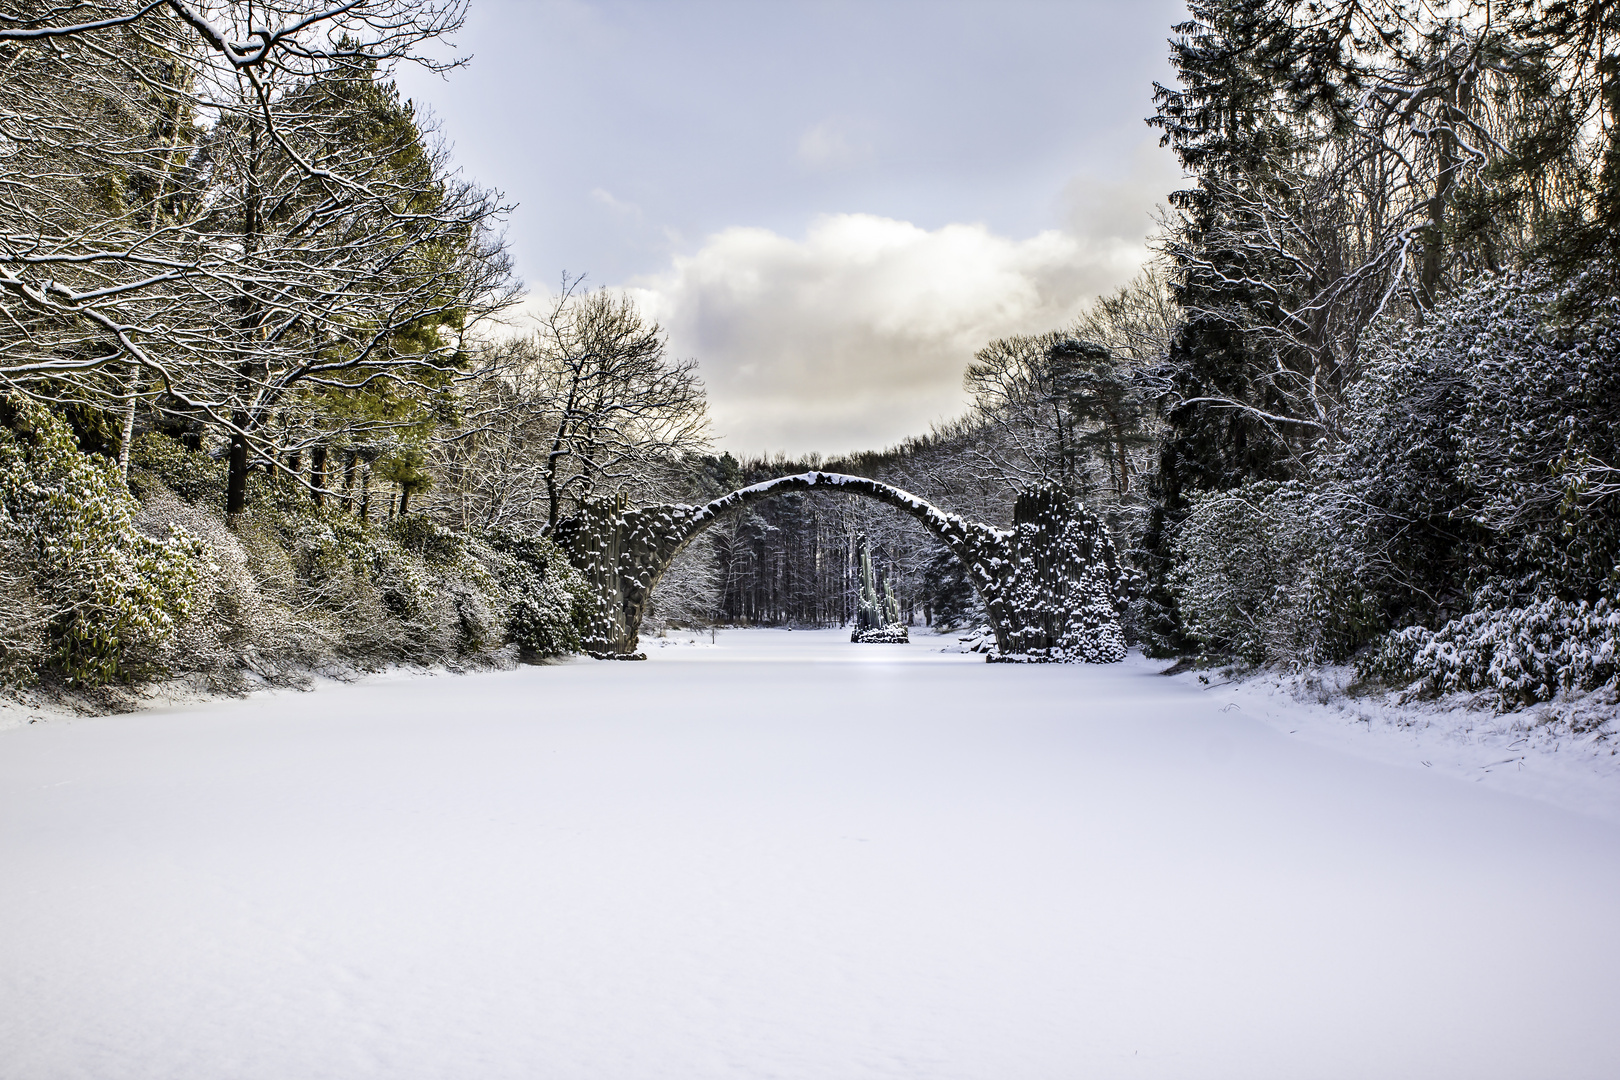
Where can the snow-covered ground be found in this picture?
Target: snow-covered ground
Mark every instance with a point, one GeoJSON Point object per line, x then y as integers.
{"type": "Point", "coordinates": [1566, 752]}
{"type": "Point", "coordinates": [783, 855]}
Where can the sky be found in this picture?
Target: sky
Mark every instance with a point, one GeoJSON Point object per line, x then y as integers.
{"type": "Point", "coordinates": [830, 206]}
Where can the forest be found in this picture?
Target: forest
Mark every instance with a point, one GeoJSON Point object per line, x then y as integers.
{"type": "Point", "coordinates": [261, 415]}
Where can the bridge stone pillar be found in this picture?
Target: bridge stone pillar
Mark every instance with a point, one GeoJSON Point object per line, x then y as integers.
{"type": "Point", "coordinates": [594, 541]}
{"type": "Point", "coordinates": [622, 553]}
{"type": "Point", "coordinates": [1053, 593]}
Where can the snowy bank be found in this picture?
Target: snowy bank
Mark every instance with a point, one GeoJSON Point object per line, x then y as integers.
{"type": "Point", "coordinates": [1564, 752]}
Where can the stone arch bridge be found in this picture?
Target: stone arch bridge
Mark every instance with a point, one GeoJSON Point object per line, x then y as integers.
{"type": "Point", "coordinates": [1051, 584]}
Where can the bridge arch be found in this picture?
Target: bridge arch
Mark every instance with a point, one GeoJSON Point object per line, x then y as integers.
{"type": "Point", "coordinates": [1050, 584]}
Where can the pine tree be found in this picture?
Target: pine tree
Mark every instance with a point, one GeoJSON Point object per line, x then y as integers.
{"type": "Point", "coordinates": [1228, 419]}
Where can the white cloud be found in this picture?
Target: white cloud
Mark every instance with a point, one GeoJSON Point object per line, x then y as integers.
{"type": "Point", "coordinates": [858, 334]}
{"type": "Point", "coordinates": [831, 145]}
{"type": "Point", "coordinates": [1119, 206]}
{"type": "Point", "coordinates": [624, 209]}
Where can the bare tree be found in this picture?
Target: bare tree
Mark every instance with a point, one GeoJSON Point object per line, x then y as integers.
{"type": "Point", "coordinates": [1020, 395]}
{"type": "Point", "coordinates": [1135, 322]}
{"type": "Point", "coordinates": [587, 405]}
{"type": "Point", "coordinates": [492, 464]}
{"type": "Point", "coordinates": [618, 407]}
{"type": "Point", "coordinates": [1058, 409]}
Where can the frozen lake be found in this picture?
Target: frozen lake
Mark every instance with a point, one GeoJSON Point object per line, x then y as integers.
{"type": "Point", "coordinates": [783, 856]}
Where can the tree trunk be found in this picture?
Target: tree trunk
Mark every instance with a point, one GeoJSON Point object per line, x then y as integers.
{"type": "Point", "coordinates": [236, 475]}
{"type": "Point", "coordinates": [1124, 458]}
{"type": "Point", "coordinates": [1460, 102]}
{"type": "Point", "coordinates": [129, 422]}
{"type": "Point", "coordinates": [317, 474]}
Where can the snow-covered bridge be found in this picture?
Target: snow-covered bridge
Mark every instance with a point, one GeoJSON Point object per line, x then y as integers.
{"type": "Point", "coordinates": [1050, 584]}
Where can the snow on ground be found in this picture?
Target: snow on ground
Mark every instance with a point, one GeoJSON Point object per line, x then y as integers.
{"type": "Point", "coordinates": [1566, 753]}
{"type": "Point", "coordinates": [781, 855]}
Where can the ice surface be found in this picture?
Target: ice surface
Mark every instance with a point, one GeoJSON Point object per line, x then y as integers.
{"type": "Point", "coordinates": [783, 856]}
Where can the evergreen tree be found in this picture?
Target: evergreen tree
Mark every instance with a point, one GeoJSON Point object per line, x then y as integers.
{"type": "Point", "coordinates": [1228, 416]}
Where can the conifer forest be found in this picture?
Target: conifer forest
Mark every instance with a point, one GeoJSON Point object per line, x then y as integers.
{"type": "Point", "coordinates": [262, 416]}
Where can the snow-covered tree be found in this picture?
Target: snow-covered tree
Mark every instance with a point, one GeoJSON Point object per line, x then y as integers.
{"type": "Point", "coordinates": [273, 227]}
{"type": "Point", "coordinates": [606, 408]}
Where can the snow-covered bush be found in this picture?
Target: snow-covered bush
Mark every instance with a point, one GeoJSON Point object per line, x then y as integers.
{"type": "Point", "coordinates": [1539, 439]}
{"type": "Point", "coordinates": [1470, 470]}
{"type": "Point", "coordinates": [234, 609]}
{"type": "Point", "coordinates": [425, 537]}
{"type": "Point", "coordinates": [193, 476]}
{"type": "Point", "coordinates": [1479, 464]}
{"type": "Point", "coordinates": [295, 586]}
{"type": "Point", "coordinates": [549, 598]}
{"type": "Point", "coordinates": [1525, 654]}
{"type": "Point", "coordinates": [1259, 575]}
{"type": "Point", "coordinates": [354, 589]}
{"type": "Point", "coordinates": [419, 592]}
{"type": "Point", "coordinates": [471, 607]}
{"type": "Point", "coordinates": [23, 613]}
{"type": "Point", "coordinates": [105, 595]}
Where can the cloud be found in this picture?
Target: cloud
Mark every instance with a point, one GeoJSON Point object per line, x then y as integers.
{"type": "Point", "coordinates": [857, 334]}
{"type": "Point", "coordinates": [624, 209]}
{"type": "Point", "coordinates": [1118, 206]}
{"type": "Point", "coordinates": [830, 145]}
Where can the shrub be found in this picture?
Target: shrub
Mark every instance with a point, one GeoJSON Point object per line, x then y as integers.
{"type": "Point", "coordinates": [1525, 654]}
{"type": "Point", "coordinates": [1480, 451]}
{"type": "Point", "coordinates": [191, 474]}
{"type": "Point", "coordinates": [1261, 574]}
{"type": "Point", "coordinates": [98, 587]}
{"type": "Point", "coordinates": [372, 599]}
{"type": "Point", "coordinates": [425, 537]}
{"type": "Point", "coordinates": [549, 601]}
{"type": "Point", "coordinates": [108, 593]}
